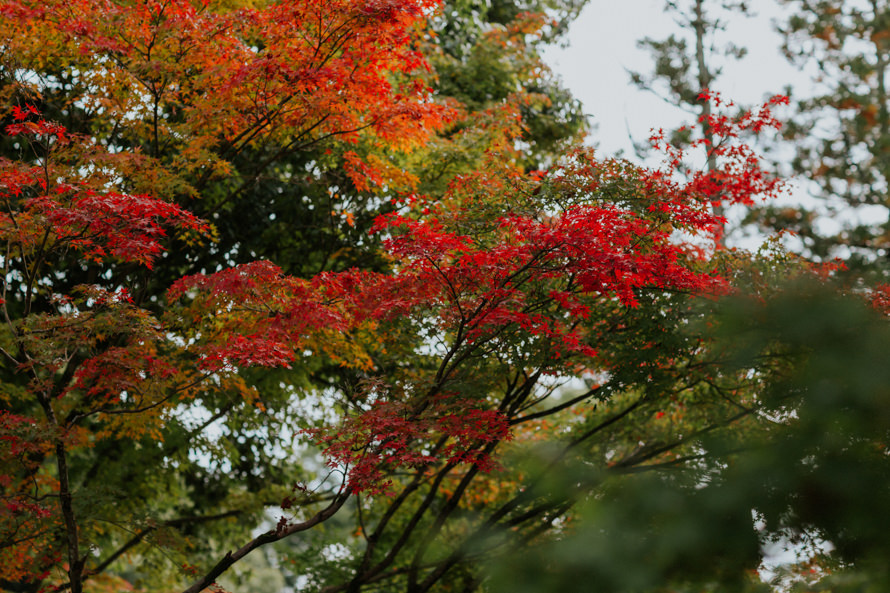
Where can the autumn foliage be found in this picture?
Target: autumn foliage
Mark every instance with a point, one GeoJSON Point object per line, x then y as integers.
{"type": "Point", "coordinates": [134, 330]}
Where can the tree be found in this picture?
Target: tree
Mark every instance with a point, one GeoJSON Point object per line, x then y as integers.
{"type": "Point", "coordinates": [841, 131]}
{"type": "Point", "coordinates": [686, 65]}
{"type": "Point", "coordinates": [162, 384]}
{"type": "Point", "coordinates": [192, 103]}
{"type": "Point", "coordinates": [487, 52]}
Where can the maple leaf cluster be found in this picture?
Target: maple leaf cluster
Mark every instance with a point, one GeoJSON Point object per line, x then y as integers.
{"type": "Point", "coordinates": [740, 177]}
{"type": "Point", "coordinates": [50, 208]}
{"type": "Point", "coordinates": [392, 434]}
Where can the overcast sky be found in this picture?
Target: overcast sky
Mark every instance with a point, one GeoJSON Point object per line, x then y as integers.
{"type": "Point", "coordinates": [602, 46]}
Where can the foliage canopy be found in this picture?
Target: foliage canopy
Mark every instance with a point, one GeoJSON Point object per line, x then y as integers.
{"type": "Point", "coordinates": [278, 280]}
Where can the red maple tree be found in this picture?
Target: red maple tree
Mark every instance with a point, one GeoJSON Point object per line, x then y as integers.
{"type": "Point", "coordinates": [531, 272]}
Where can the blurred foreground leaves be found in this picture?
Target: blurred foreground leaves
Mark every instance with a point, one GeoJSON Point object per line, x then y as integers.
{"type": "Point", "coordinates": [815, 479]}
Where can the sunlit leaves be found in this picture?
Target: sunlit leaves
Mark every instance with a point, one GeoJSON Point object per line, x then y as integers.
{"type": "Point", "coordinates": [202, 85]}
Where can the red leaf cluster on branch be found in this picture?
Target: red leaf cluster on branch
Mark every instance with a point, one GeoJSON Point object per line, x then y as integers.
{"type": "Point", "coordinates": [739, 177]}
{"type": "Point", "coordinates": [45, 203]}
{"type": "Point", "coordinates": [392, 434]}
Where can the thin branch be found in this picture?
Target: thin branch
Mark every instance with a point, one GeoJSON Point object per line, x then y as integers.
{"type": "Point", "coordinates": [274, 535]}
